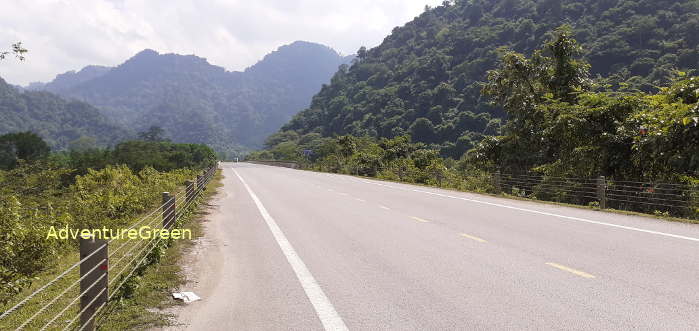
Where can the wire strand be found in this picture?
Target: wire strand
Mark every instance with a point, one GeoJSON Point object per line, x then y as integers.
{"type": "Point", "coordinates": [60, 295]}
{"type": "Point", "coordinates": [84, 309]}
{"type": "Point", "coordinates": [9, 311]}
{"type": "Point", "coordinates": [74, 301]}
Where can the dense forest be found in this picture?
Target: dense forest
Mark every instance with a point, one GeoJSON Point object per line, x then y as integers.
{"type": "Point", "coordinates": [426, 78]}
{"type": "Point", "coordinates": [82, 189]}
{"type": "Point", "coordinates": [197, 102]}
{"type": "Point", "coordinates": [559, 127]}
{"type": "Point", "coordinates": [61, 122]}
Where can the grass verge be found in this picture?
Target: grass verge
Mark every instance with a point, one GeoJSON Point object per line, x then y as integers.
{"type": "Point", "coordinates": [151, 296]}
{"type": "Point", "coordinates": [58, 305]}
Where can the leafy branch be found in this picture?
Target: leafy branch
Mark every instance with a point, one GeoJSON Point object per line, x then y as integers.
{"type": "Point", "coordinates": [17, 50]}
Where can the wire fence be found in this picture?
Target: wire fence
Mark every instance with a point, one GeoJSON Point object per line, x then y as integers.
{"type": "Point", "coordinates": [76, 295]}
{"type": "Point", "coordinates": [665, 199]}
{"type": "Point", "coordinates": [657, 198]}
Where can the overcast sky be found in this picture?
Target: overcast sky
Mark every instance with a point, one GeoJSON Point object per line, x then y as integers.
{"type": "Point", "coordinates": [64, 35]}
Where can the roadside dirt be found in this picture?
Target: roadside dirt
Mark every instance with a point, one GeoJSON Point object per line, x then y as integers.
{"type": "Point", "coordinates": [201, 265]}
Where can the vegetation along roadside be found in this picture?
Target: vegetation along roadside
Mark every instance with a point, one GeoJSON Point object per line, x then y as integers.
{"type": "Point", "coordinates": [563, 131]}
{"type": "Point", "coordinates": [80, 189]}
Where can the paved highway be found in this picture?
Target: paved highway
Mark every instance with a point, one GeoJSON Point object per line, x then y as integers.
{"type": "Point", "coordinates": [298, 250]}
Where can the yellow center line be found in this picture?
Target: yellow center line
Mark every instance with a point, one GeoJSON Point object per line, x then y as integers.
{"type": "Point", "coordinates": [571, 270]}
{"type": "Point", "coordinates": [419, 219]}
{"type": "Point", "coordinates": [473, 238]}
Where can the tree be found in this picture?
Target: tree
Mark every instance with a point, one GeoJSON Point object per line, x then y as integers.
{"type": "Point", "coordinates": [362, 53]}
{"type": "Point", "coordinates": [348, 145]}
{"type": "Point", "coordinates": [522, 85]}
{"type": "Point", "coordinates": [25, 146]}
{"type": "Point", "coordinates": [422, 130]}
{"type": "Point", "coordinates": [566, 75]}
{"type": "Point", "coordinates": [154, 133]}
{"type": "Point", "coordinates": [281, 137]}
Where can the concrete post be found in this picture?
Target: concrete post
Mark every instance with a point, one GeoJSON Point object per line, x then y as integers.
{"type": "Point", "coordinates": [190, 191]}
{"type": "Point", "coordinates": [93, 299]}
{"type": "Point", "coordinates": [169, 216]}
{"type": "Point", "coordinates": [602, 192]}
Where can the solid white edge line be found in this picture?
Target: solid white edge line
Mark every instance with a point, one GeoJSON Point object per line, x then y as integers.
{"type": "Point", "coordinates": [543, 213]}
{"type": "Point", "coordinates": [325, 310]}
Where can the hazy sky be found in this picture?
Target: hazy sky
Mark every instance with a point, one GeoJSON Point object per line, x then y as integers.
{"type": "Point", "coordinates": [64, 35]}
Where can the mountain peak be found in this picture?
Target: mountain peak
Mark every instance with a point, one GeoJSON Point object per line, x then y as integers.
{"type": "Point", "coordinates": [196, 101]}
{"type": "Point", "coordinates": [146, 52]}
{"type": "Point", "coordinates": [295, 59]}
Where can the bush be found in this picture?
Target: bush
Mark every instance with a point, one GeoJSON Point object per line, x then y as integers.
{"type": "Point", "coordinates": [34, 197]}
{"type": "Point", "coordinates": [163, 156]}
{"type": "Point", "coordinates": [25, 146]}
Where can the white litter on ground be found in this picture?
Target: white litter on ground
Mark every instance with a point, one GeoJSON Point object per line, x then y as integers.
{"type": "Point", "coordinates": [187, 297]}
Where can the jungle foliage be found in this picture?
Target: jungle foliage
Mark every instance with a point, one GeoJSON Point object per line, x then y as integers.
{"type": "Point", "coordinates": [560, 123]}
{"type": "Point", "coordinates": [558, 126]}
{"type": "Point", "coordinates": [59, 121]}
{"type": "Point", "coordinates": [425, 79]}
{"type": "Point", "coordinates": [91, 188]}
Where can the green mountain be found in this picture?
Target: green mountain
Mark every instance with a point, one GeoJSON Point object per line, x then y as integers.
{"type": "Point", "coordinates": [59, 121]}
{"type": "Point", "coordinates": [70, 79]}
{"type": "Point", "coordinates": [425, 79]}
{"type": "Point", "coordinates": [197, 102]}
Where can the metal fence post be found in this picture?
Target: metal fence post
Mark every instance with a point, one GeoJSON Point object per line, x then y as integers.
{"type": "Point", "coordinates": [95, 283]}
{"type": "Point", "coordinates": [498, 182]}
{"type": "Point", "coordinates": [190, 191]}
{"type": "Point", "coordinates": [602, 192]}
{"type": "Point", "coordinates": [168, 210]}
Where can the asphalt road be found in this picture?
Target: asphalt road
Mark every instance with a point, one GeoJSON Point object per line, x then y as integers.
{"type": "Point", "coordinates": [298, 250]}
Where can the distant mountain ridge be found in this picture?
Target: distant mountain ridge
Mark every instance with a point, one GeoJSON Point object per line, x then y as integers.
{"type": "Point", "coordinates": [195, 101]}
{"type": "Point", "coordinates": [70, 79]}
{"type": "Point", "coordinates": [58, 121]}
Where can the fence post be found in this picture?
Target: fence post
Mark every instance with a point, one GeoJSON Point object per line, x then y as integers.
{"type": "Point", "coordinates": [97, 295]}
{"type": "Point", "coordinates": [602, 192]}
{"type": "Point", "coordinates": [498, 182]}
{"type": "Point", "coordinates": [169, 216]}
{"type": "Point", "coordinates": [190, 191]}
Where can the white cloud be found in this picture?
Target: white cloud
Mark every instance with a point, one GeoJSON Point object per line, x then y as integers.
{"type": "Point", "coordinates": [64, 35]}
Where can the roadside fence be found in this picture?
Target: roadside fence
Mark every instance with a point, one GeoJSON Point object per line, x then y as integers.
{"type": "Point", "coordinates": [663, 199]}
{"type": "Point", "coordinates": [74, 299]}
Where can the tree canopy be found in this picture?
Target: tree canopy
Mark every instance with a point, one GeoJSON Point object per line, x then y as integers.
{"type": "Point", "coordinates": [58, 121]}
{"type": "Point", "coordinates": [430, 72]}
{"type": "Point", "coordinates": [25, 146]}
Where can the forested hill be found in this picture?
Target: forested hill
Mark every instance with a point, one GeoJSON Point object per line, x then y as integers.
{"type": "Point", "coordinates": [70, 79]}
{"type": "Point", "coordinates": [425, 79]}
{"type": "Point", "coordinates": [197, 102]}
{"type": "Point", "coordinates": [60, 122]}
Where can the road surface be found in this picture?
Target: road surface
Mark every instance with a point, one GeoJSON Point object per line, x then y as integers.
{"type": "Point", "coordinates": [298, 250]}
